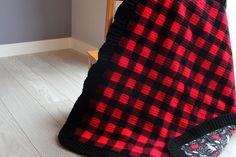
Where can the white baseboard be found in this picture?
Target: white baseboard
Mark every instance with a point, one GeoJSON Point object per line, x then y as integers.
{"type": "Point", "coordinates": [15, 49]}
{"type": "Point", "coordinates": [81, 46]}
{"type": "Point", "coordinates": [34, 47]}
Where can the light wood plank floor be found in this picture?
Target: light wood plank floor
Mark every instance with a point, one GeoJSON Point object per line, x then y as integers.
{"type": "Point", "coordinates": [37, 93]}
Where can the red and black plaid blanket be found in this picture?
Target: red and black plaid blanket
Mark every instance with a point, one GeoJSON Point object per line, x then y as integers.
{"type": "Point", "coordinates": [163, 84]}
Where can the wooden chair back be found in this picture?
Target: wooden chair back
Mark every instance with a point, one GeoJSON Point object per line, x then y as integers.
{"type": "Point", "coordinates": [111, 6]}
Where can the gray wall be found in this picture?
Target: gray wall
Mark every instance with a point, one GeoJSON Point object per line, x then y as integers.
{"type": "Point", "coordinates": [31, 20]}
{"type": "Point", "coordinates": [88, 21]}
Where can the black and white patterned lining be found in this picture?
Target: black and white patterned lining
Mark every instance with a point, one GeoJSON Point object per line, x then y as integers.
{"type": "Point", "coordinates": [211, 144]}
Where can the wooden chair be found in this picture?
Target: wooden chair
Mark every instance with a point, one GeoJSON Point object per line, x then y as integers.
{"type": "Point", "coordinates": [111, 8]}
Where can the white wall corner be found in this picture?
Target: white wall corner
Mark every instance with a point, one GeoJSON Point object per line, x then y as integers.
{"type": "Point", "coordinates": [34, 47]}
{"type": "Point", "coordinates": [81, 46]}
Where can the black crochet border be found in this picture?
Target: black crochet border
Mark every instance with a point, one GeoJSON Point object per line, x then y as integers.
{"type": "Point", "coordinates": [116, 31]}
{"type": "Point", "coordinates": [85, 149]}
{"type": "Point", "coordinates": [174, 145]}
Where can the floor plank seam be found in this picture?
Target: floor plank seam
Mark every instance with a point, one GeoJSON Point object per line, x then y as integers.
{"type": "Point", "coordinates": [22, 130]}
{"type": "Point", "coordinates": [30, 94]}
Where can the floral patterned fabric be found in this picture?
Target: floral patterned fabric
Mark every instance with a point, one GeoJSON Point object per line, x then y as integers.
{"type": "Point", "coordinates": [210, 145]}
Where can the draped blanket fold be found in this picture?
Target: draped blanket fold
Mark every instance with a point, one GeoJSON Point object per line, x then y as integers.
{"type": "Point", "coordinates": [163, 84]}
